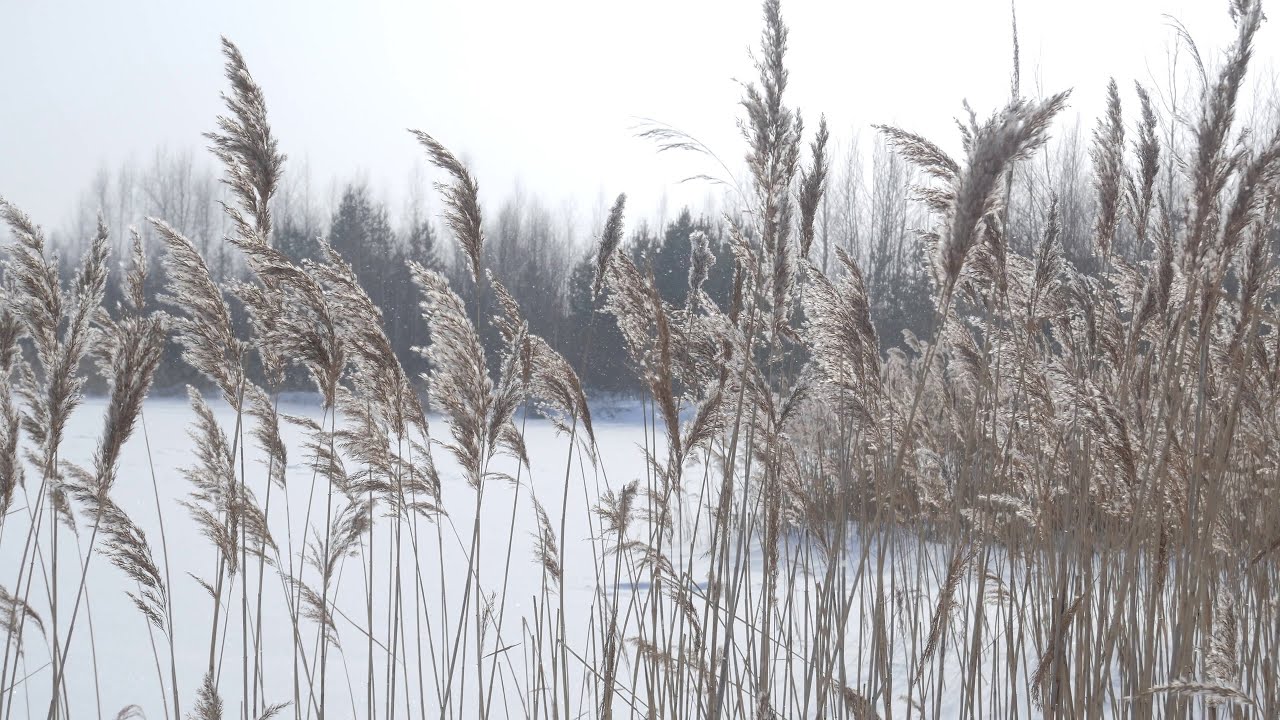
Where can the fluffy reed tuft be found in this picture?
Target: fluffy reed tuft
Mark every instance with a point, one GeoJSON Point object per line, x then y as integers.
{"type": "Point", "coordinates": [461, 198]}
{"type": "Point", "coordinates": [610, 238]}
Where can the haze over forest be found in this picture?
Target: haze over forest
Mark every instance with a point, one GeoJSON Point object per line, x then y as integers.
{"type": "Point", "coordinates": [550, 111]}
{"type": "Point", "coordinates": [544, 96]}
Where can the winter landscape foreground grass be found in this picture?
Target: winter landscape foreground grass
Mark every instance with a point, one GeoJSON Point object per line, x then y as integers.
{"type": "Point", "coordinates": [1063, 501]}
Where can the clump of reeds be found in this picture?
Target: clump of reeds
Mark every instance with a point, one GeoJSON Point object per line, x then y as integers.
{"type": "Point", "coordinates": [1061, 501]}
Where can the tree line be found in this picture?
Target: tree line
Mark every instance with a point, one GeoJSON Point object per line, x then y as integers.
{"type": "Point", "coordinates": [870, 212]}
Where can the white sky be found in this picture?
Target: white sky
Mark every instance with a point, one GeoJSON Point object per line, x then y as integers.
{"type": "Point", "coordinates": [543, 94]}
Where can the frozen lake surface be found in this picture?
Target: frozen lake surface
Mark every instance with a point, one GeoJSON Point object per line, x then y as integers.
{"type": "Point", "coordinates": [126, 665]}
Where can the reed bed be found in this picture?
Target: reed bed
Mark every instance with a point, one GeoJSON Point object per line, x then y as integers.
{"type": "Point", "coordinates": [1063, 502]}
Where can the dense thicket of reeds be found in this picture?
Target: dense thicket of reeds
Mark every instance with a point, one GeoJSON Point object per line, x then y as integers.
{"type": "Point", "coordinates": [1066, 501]}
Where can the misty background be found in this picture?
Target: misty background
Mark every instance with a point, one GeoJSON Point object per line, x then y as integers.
{"type": "Point", "coordinates": [106, 103]}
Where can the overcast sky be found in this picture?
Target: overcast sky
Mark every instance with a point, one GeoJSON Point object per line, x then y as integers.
{"type": "Point", "coordinates": [543, 93]}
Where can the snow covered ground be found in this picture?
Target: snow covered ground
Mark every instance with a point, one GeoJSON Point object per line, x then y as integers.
{"type": "Point", "coordinates": [126, 666]}
{"type": "Point", "coordinates": [127, 653]}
